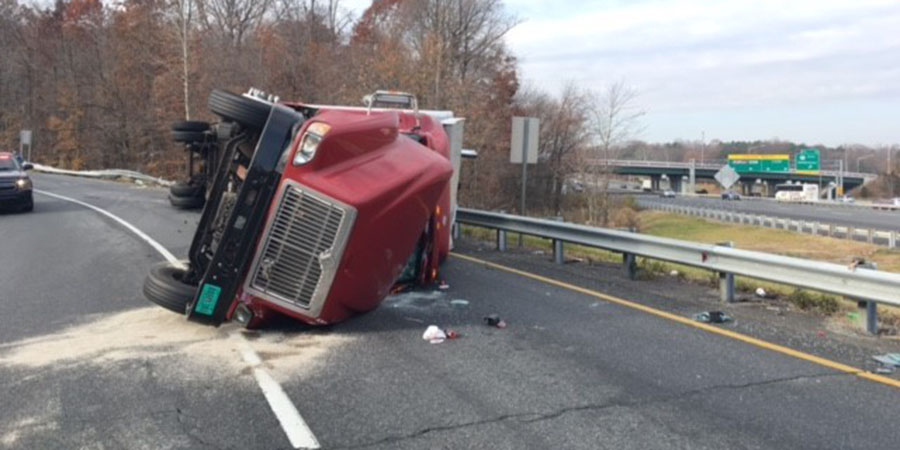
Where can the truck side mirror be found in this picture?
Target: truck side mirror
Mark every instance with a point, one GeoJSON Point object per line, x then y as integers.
{"type": "Point", "coordinates": [27, 166]}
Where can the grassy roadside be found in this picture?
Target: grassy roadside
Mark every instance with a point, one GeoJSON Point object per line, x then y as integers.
{"type": "Point", "coordinates": [745, 237]}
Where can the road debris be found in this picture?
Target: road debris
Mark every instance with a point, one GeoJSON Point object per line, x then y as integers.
{"type": "Point", "coordinates": [888, 359]}
{"type": "Point", "coordinates": [459, 303]}
{"type": "Point", "coordinates": [494, 320]}
{"type": "Point", "coordinates": [760, 292]}
{"type": "Point", "coordinates": [712, 317]}
{"type": "Point", "coordinates": [884, 370]}
{"type": "Point", "coordinates": [434, 335]}
{"type": "Point", "coordinates": [443, 286]}
{"type": "Point", "coordinates": [673, 273]}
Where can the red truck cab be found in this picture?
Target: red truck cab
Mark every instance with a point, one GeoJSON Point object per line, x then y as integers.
{"type": "Point", "coordinates": [317, 212]}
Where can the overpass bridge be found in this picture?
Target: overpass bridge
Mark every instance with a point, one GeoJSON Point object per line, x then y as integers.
{"type": "Point", "coordinates": [683, 175]}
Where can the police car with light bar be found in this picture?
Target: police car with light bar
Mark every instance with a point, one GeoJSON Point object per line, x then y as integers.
{"type": "Point", "coordinates": [15, 186]}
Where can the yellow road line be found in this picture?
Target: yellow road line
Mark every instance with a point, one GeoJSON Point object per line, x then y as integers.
{"type": "Point", "coordinates": [690, 322]}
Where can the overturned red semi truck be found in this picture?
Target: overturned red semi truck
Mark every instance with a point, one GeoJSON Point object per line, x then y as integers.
{"type": "Point", "coordinates": [317, 212]}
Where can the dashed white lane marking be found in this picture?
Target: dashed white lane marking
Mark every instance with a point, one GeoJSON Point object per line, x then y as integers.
{"type": "Point", "coordinates": [296, 429]}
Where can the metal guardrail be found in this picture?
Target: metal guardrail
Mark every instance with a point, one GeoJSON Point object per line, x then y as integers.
{"type": "Point", "coordinates": [104, 174]}
{"type": "Point", "coordinates": [863, 284]}
{"type": "Point", "coordinates": [887, 238]}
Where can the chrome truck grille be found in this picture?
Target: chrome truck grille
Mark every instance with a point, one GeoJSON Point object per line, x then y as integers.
{"type": "Point", "coordinates": [301, 249]}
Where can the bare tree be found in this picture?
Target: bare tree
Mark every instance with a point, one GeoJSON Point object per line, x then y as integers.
{"type": "Point", "coordinates": [458, 37]}
{"type": "Point", "coordinates": [616, 119]}
{"type": "Point", "coordinates": [234, 18]}
{"type": "Point", "coordinates": [565, 132]}
{"type": "Point", "coordinates": [184, 11]}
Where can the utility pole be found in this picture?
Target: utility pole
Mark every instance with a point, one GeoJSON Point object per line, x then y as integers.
{"type": "Point", "coordinates": [702, 146]}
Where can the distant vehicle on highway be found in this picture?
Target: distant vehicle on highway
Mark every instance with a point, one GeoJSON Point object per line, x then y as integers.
{"type": "Point", "coordinates": [15, 186]}
{"type": "Point", "coordinates": [668, 193]}
{"type": "Point", "coordinates": [317, 212]}
{"type": "Point", "coordinates": [793, 192]}
{"type": "Point", "coordinates": [731, 195]}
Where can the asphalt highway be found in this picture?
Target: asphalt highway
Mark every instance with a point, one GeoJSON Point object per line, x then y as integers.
{"type": "Point", "coordinates": [86, 362]}
{"type": "Point", "coordinates": [838, 215]}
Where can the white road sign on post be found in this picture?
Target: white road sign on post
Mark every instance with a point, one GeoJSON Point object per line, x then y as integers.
{"type": "Point", "coordinates": [726, 176]}
{"type": "Point", "coordinates": [25, 139]}
{"type": "Point", "coordinates": [523, 150]}
{"type": "Point", "coordinates": [525, 132]}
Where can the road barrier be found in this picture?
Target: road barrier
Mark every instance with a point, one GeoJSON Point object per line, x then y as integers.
{"type": "Point", "coordinates": [108, 174]}
{"type": "Point", "coordinates": [887, 238]}
{"type": "Point", "coordinates": [866, 285]}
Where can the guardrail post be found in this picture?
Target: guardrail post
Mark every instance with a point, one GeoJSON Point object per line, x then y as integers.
{"type": "Point", "coordinates": [726, 280]}
{"type": "Point", "coordinates": [867, 309]}
{"type": "Point", "coordinates": [501, 240]}
{"type": "Point", "coordinates": [455, 231]}
{"type": "Point", "coordinates": [630, 263]}
{"type": "Point", "coordinates": [558, 256]}
{"type": "Point", "coordinates": [870, 238]}
{"type": "Point", "coordinates": [892, 239]}
{"type": "Point", "coordinates": [830, 230]}
{"type": "Point", "coordinates": [815, 228]}
{"type": "Point", "coordinates": [850, 232]}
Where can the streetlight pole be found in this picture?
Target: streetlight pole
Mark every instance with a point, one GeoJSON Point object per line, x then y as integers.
{"type": "Point", "coordinates": [702, 146]}
{"type": "Point", "coordinates": [862, 158]}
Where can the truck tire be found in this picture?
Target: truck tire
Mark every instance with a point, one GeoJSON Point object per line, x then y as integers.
{"type": "Point", "coordinates": [164, 287]}
{"type": "Point", "coordinates": [188, 136]}
{"type": "Point", "coordinates": [190, 125]}
{"type": "Point", "coordinates": [248, 112]}
{"type": "Point", "coordinates": [189, 189]}
{"type": "Point", "coordinates": [187, 202]}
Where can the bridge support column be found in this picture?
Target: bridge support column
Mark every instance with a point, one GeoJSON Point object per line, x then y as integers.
{"type": "Point", "coordinates": [692, 178]}
{"type": "Point", "coordinates": [675, 184]}
{"type": "Point", "coordinates": [654, 182]}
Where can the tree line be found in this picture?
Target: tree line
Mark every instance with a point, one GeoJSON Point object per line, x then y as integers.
{"type": "Point", "coordinates": [100, 82]}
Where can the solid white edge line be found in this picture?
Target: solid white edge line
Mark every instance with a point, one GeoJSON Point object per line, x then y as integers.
{"type": "Point", "coordinates": [298, 433]}
{"type": "Point", "coordinates": [156, 245]}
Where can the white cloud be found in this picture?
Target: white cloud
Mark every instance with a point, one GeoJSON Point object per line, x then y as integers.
{"type": "Point", "coordinates": [699, 62]}
{"type": "Point", "coordinates": [691, 56]}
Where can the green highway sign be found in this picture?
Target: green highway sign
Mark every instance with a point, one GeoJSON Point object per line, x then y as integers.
{"type": "Point", "coordinates": [808, 161]}
{"type": "Point", "coordinates": [759, 163]}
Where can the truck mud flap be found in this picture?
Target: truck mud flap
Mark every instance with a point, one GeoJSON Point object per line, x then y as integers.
{"type": "Point", "coordinates": [223, 273]}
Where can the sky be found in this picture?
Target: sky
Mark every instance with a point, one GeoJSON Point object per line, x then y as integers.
{"type": "Point", "coordinates": [813, 71]}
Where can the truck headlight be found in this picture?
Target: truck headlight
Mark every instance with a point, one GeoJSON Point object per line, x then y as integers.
{"type": "Point", "coordinates": [24, 184]}
{"type": "Point", "coordinates": [309, 144]}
